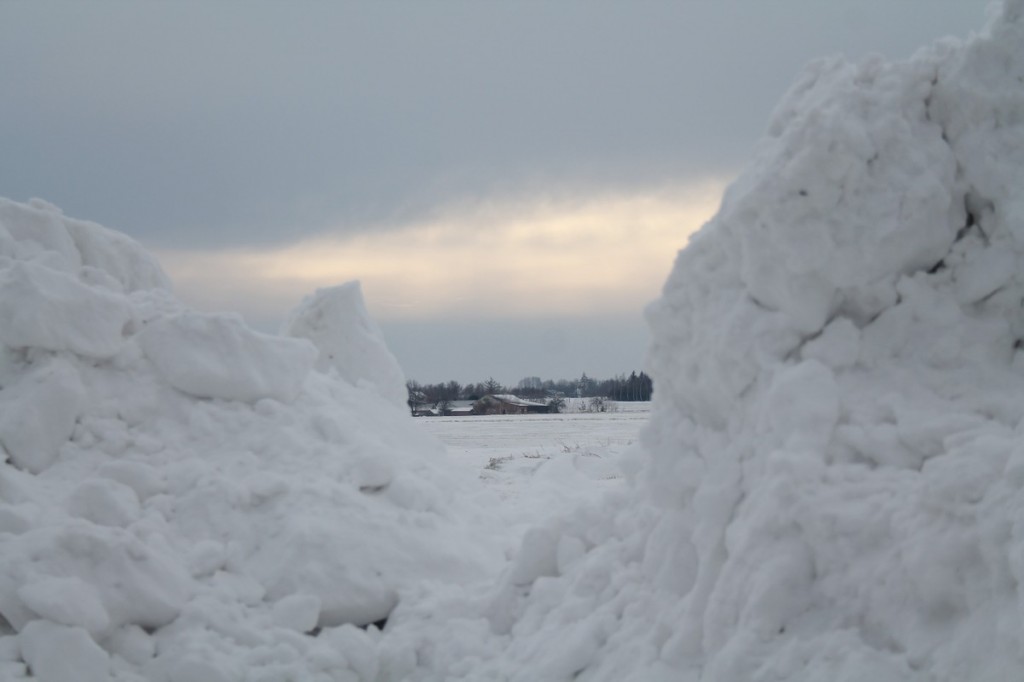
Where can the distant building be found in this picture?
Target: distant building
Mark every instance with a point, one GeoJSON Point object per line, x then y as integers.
{"type": "Point", "coordinates": [508, 404]}
{"type": "Point", "coordinates": [461, 408]}
{"type": "Point", "coordinates": [453, 408]}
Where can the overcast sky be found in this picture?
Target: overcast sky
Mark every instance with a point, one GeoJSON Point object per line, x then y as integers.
{"type": "Point", "coordinates": [509, 181]}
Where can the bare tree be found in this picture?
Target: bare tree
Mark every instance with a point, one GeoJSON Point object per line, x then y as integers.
{"type": "Point", "coordinates": [446, 395]}
{"type": "Point", "coordinates": [417, 398]}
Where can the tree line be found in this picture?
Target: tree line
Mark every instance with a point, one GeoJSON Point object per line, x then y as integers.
{"type": "Point", "coordinates": [620, 388]}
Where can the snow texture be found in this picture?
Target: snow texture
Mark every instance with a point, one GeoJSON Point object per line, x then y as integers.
{"type": "Point", "coordinates": [831, 486]}
{"type": "Point", "coordinates": [183, 498]}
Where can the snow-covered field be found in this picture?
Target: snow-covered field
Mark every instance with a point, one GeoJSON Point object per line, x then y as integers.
{"type": "Point", "coordinates": [542, 465]}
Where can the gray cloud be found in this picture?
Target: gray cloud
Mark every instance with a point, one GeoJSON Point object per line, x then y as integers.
{"type": "Point", "coordinates": [195, 125]}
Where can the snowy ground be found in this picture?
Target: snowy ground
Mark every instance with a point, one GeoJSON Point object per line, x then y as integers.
{"type": "Point", "coordinates": [544, 464]}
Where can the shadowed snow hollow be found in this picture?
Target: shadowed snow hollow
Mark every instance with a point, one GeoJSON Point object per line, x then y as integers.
{"type": "Point", "coordinates": [831, 487]}
{"type": "Point", "coordinates": [183, 498]}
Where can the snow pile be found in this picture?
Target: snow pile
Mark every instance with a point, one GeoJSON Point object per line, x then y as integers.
{"type": "Point", "coordinates": [348, 340]}
{"type": "Point", "coordinates": [185, 499]}
{"type": "Point", "coordinates": [835, 459]}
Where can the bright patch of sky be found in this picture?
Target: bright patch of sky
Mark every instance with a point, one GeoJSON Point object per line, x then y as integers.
{"type": "Point", "coordinates": [509, 166]}
{"type": "Point", "coordinates": [596, 255]}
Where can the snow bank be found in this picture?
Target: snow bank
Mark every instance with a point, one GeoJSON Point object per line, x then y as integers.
{"type": "Point", "coordinates": [832, 480]}
{"type": "Point", "coordinates": [183, 498]}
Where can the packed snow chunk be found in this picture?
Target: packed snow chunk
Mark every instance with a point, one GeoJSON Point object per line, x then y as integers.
{"type": "Point", "coordinates": [838, 346]}
{"type": "Point", "coordinates": [68, 601]}
{"type": "Point", "coordinates": [564, 658]}
{"type": "Point", "coordinates": [570, 550]}
{"type": "Point", "coordinates": [206, 557]}
{"type": "Point", "coordinates": [132, 643]}
{"type": "Point", "coordinates": [12, 520]}
{"type": "Point", "coordinates": [58, 653]}
{"type": "Point", "coordinates": [316, 561]}
{"type": "Point", "coordinates": [217, 356]}
{"type": "Point", "coordinates": [358, 648]}
{"type": "Point", "coordinates": [670, 562]}
{"type": "Point", "coordinates": [117, 255]}
{"type": "Point", "coordinates": [200, 670]}
{"type": "Point", "coordinates": [38, 413]}
{"type": "Point", "coordinates": [46, 308]}
{"type": "Point", "coordinates": [144, 479]}
{"type": "Point", "coordinates": [984, 273]}
{"type": "Point", "coordinates": [801, 408]}
{"type": "Point", "coordinates": [371, 475]}
{"type": "Point", "coordinates": [348, 340]}
{"type": "Point", "coordinates": [538, 556]}
{"type": "Point", "coordinates": [9, 649]}
{"type": "Point", "coordinates": [299, 612]}
{"type": "Point", "coordinates": [821, 162]}
{"type": "Point", "coordinates": [105, 502]}
{"type": "Point", "coordinates": [38, 228]}
{"type": "Point", "coordinates": [136, 583]}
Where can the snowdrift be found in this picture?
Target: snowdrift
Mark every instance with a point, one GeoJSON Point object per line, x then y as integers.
{"type": "Point", "coordinates": [185, 499]}
{"type": "Point", "coordinates": [831, 487]}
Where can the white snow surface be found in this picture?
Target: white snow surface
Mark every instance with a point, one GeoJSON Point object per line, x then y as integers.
{"type": "Point", "coordinates": [832, 480]}
{"type": "Point", "coordinates": [183, 498]}
{"type": "Point", "coordinates": [540, 466]}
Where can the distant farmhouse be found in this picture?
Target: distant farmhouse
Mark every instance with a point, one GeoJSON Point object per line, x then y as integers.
{"type": "Point", "coordinates": [489, 404]}
{"type": "Point", "coordinates": [461, 408]}
{"type": "Point", "coordinates": [508, 404]}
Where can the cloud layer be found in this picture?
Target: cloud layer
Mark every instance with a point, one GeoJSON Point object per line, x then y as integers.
{"type": "Point", "coordinates": [549, 257]}
{"type": "Point", "coordinates": [202, 125]}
